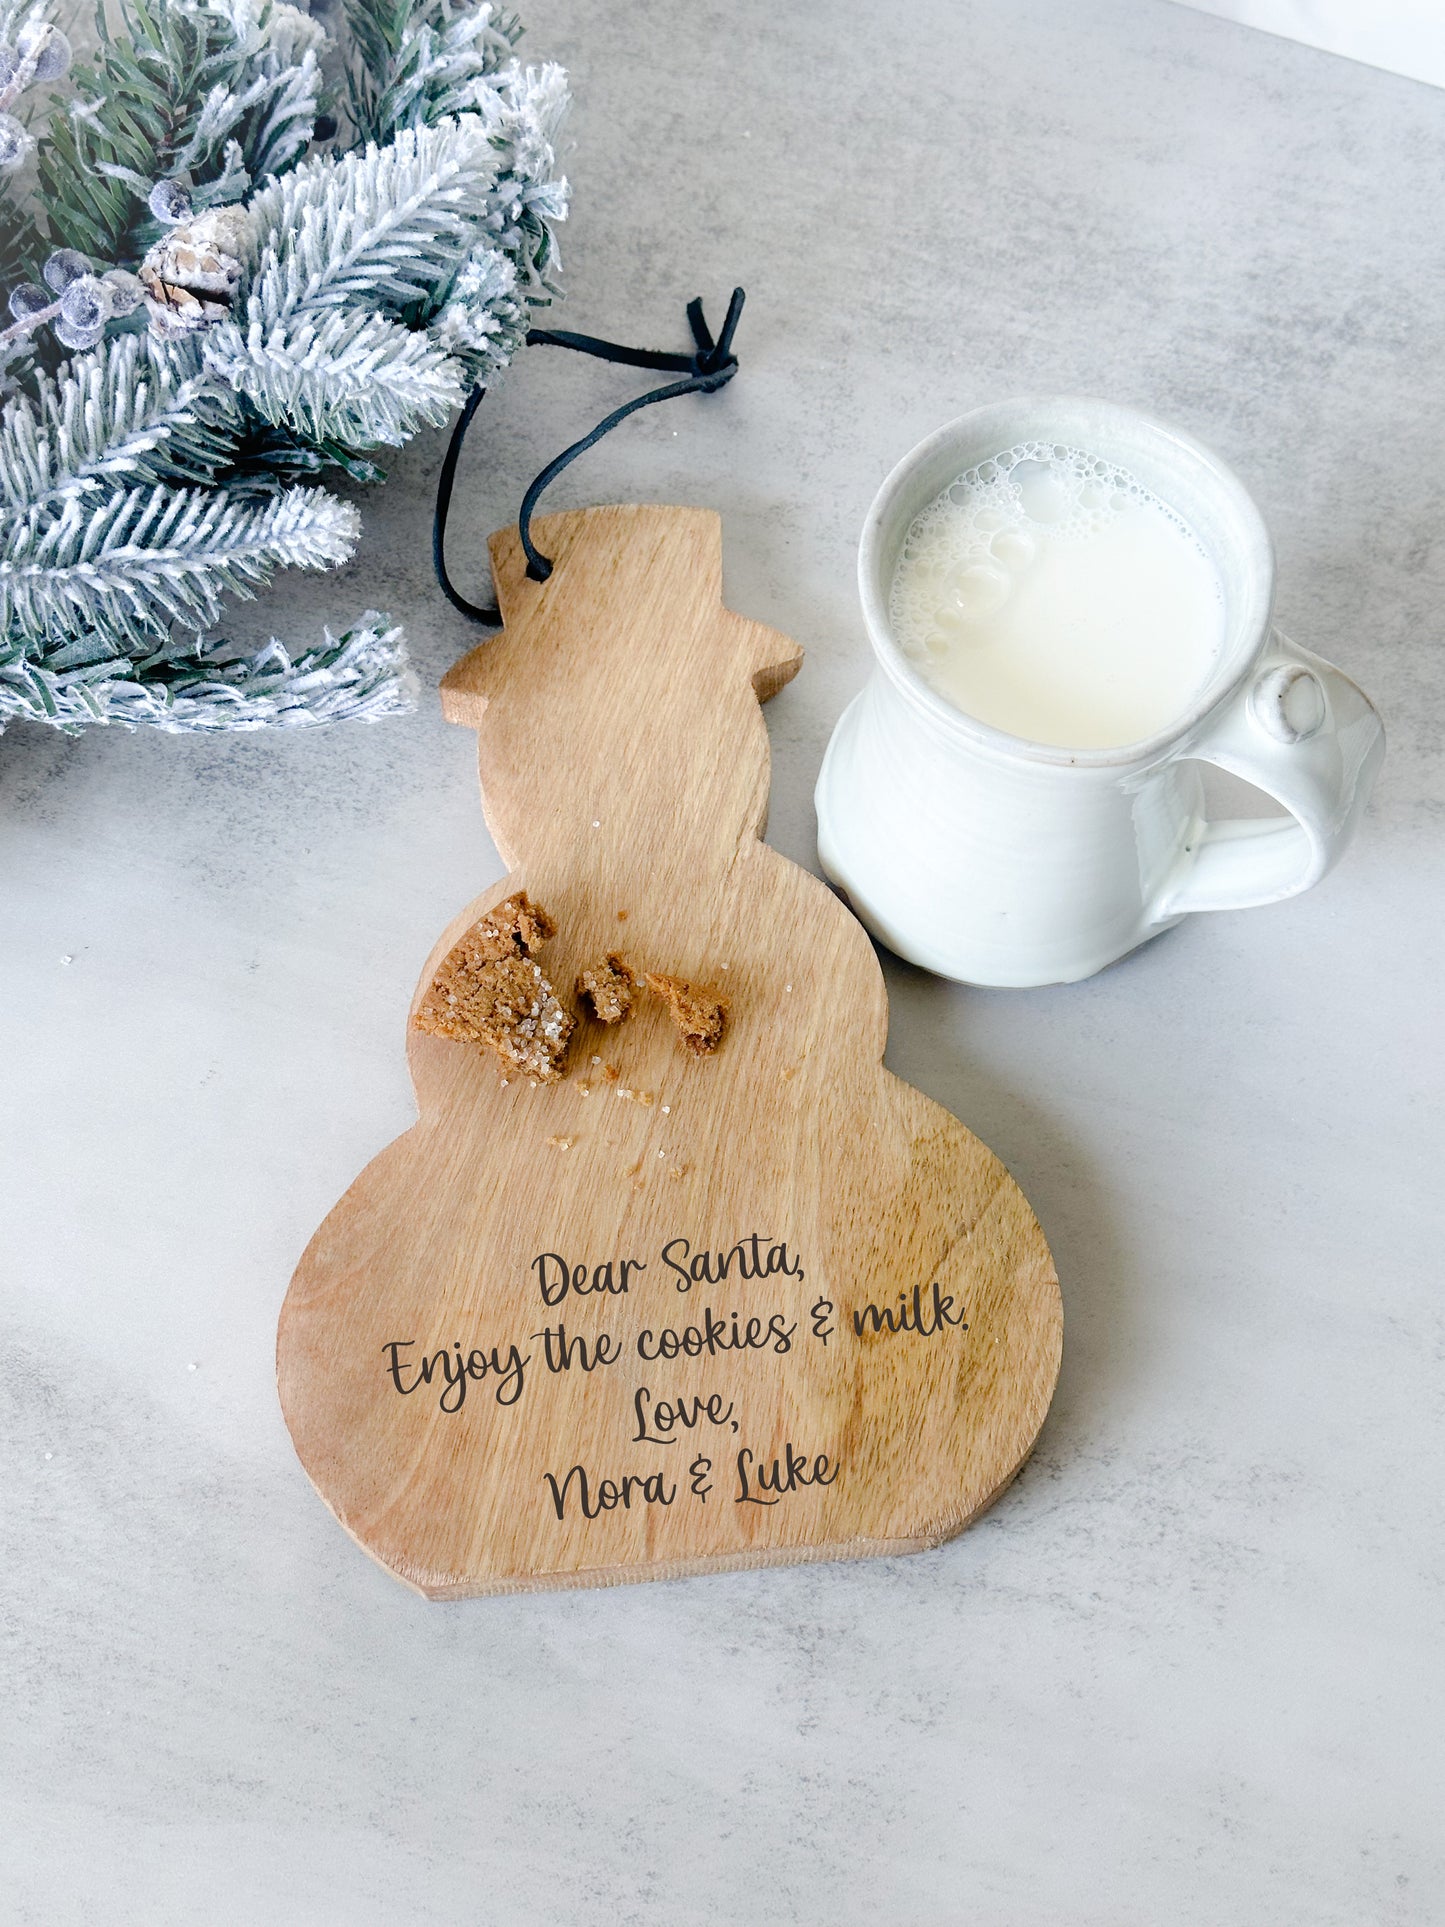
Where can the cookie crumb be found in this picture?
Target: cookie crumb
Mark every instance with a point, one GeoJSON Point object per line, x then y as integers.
{"type": "Point", "coordinates": [607, 987]}
{"type": "Point", "coordinates": [611, 1073]}
{"type": "Point", "coordinates": [488, 990]}
{"type": "Point", "coordinates": [698, 1010]}
{"type": "Point", "coordinates": [561, 1143]}
{"type": "Point", "coordinates": [622, 916]}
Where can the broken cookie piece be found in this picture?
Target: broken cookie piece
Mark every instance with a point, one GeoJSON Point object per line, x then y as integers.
{"type": "Point", "coordinates": [698, 1010]}
{"type": "Point", "coordinates": [607, 987]}
{"type": "Point", "coordinates": [489, 991]}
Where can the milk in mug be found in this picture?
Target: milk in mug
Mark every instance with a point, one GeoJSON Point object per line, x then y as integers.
{"type": "Point", "coordinates": [1049, 593]}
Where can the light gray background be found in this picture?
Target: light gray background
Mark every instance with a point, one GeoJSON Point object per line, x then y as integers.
{"type": "Point", "coordinates": [1189, 1669]}
{"type": "Point", "coordinates": [1403, 36]}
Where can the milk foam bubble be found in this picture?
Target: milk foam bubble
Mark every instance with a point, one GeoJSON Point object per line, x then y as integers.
{"type": "Point", "coordinates": [1051, 594]}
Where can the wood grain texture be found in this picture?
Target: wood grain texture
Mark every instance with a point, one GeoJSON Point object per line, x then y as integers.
{"type": "Point", "coordinates": [624, 768]}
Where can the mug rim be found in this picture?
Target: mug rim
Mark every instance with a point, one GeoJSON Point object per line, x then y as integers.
{"type": "Point", "coordinates": [1251, 623]}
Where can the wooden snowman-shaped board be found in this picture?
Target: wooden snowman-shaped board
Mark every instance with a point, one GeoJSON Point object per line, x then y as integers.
{"type": "Point", "coordinates": [675, 1313]}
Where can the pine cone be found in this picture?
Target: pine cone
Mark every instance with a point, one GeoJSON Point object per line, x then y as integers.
{"type": "Point", "coordinates": [191, 275]}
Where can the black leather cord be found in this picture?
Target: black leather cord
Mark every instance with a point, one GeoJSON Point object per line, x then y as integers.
{"type": "Point", "coordinates": [710, 366]}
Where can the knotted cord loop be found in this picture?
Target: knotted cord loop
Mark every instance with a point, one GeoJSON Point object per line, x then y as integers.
{"type": "Point", "coordinates": [710, 366]}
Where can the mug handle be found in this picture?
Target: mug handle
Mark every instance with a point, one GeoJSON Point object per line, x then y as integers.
{"type": "Point", "coordinates": [1303, 732]}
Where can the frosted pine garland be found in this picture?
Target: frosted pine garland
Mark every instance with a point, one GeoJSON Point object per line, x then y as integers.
{"type": "Point", "coordinates": [147, 558]}
{"type": "Point", "coordinates": [357, 378]}
{"type": "Point", "coordinates": [129, 408]}
{"type": "Point", "coordinates": [212, 685]}
{"type": "Point", "coordinates": [280, 254]}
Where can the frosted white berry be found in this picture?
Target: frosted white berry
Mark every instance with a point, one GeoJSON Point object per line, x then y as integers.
{"type": "Point", "coordinates": [46, 46]}
{"type": "Point", "coordinates": [29, 299]}
{"type": "Point", "coordinates": [170, 202]}
{"type": "Point", "coordinates": [15, 143]}
{"type": "Point", "coordinates": [123, 291]}
{"type": "Point", "coordinates": [63, 267]}
{"type": "Point", "coordinates": [84, 311]}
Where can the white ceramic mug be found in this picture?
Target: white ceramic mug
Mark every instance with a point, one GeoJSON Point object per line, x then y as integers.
{"type": "Point", "coordinates": [995, 860]}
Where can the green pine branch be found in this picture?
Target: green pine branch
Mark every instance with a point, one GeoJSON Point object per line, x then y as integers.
{"type": "Point", "coordinates": [380, 227]}
{"type": "Point", "coordinates": [350, 250]}
{"type": "Point", "coordinates": [174, 89]}
{"type": "Point", "coordinates": [199, 685]}
{"type": "Point", "coordinates": [132, 410]}
{"type": "Point", "coordinates": [147, 558]}
{"type": "Point", "coordinates": [338, 376]}
{"type": "Point", "coordinates": [413, 62]}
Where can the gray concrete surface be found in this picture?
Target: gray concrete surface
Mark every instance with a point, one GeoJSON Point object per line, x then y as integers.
{"type": "Point", "coordinates": [1189, 1670]}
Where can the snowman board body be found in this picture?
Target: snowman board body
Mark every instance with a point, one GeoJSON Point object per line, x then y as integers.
{"type": "Point", "coordinates": [673, 1314]}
